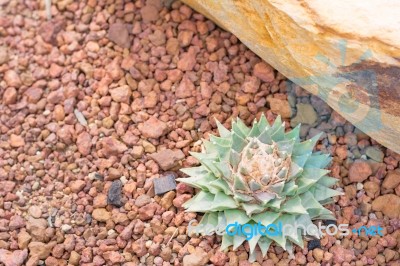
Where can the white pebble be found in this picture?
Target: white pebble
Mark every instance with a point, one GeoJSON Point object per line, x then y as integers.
{"type": "Point", "coordinates": [80, 117]}
{"type": "Point", "coordinates": [35, 185]}
{"type": "Point", "coordinates": [123, 180]}
{"type": "Point", "coordinates": [148, 243]}
{"type": "Point", "coordinates": [66, 227]}
{"type": "Point", "coordinates": [339, 189]}
{"type": "Point", "coordinates": [92, 175]}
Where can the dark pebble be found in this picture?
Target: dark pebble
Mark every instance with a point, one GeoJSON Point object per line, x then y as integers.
{"type": "Point", "coordinates": [358, 212]}
{"type": "Point", "coordinates": [165, 183]}
{"type": "Point", "coordinates": [328, 222]}
{"type": "Point", "coordinates": [315, 243]}
{"type": "Point", "coordinates": [88, 218]}
{"type": "Point", "coordinates": [98, 176]}
{"type": "Point", "coordinates": [339, 132]}
{"type": "Point", "coordinates": [115, 193]}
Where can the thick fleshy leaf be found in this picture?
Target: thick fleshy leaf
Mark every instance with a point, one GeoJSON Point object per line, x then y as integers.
{"type": "Point", "coordinates": [323, 214]}
{"type": "Point", "coordinates": [290, 188]}
{"type": "Point", "coordinates": [326, 201]}
{"type": "Point", "coordinates": [195, 171]}
{"type": "Point", "coordinates": [263, 123]}
{"type": "Point", "coordinates": [238, 143]}
{"type": "Point", "coordinates": [210, 147]}
{"type": "Point", "coordinates": [239, 216]}
{"type": "Point", "coordinates": [314, 173]}
{"type": "Point", "coordinates": [326, 216]}
{"type": "Point", "coordinates": [294, 171]}
{"type": "Point", "coordinates": [202, 202]}
{"type": "Point", "coordinates": [264, 244]}
{"type": "Point", "coordinates": [224, 142]}
{"type": "Point", "coordinates": [212, 218]}
{"type": "Point", "coordinates": [227, 241]}
{"type": "Point", "coordinates": [240, 128]}
{"type": "Point", "coordinates": [221, 146]}
{"type": "Point", "coordinates": [277, 123]}
{"type": "Point", "coordinates": [205, 226]}
{"type": "Point", "coordinates": [275, 203]}
{"type": "Point", "coordinates": [309, 177]}
{"type": "Point", "coordinates": [309, 202]}
{"type": "Point", "coordinates": [321, 192]}
{"type": "Point", "coordinates": [224, 153]}
{"type": "Point", "coordinates": [245, 129]}
{"type": "Point", "coordinates": [293, 134]}
{"type": "Point", "coordinates": [202, 156]}
{"type": "Point", "coordinates": [264, 197]}
{"type": "Point", "coordinates": [265, 137]}
{"type": "Point", "coordinates": [253, 242]}
{"type": "Point", "coordinates": [301, 159]}
{"type": "Point", "coordinates": [239, 183]}
{"type": "Point", "coordinates": [224, 168]}
{"type": "Point", "coordinates": [255, 131]}
{"type": "Point", "coordinates": [305, 184]}
{"type": "Point", "coordinates": [242, 197]}
{"type": "Point", "coordinates": [280, 240]}
{"type": "Point", "coordinates": [234, 159]}
{"type": "Point", "coordinates": [252, 208]}
{"type": "Point", "coordinates": [208, 161]}
{"type": "Point", "coordinates": [201, 182]}
{"type": "Point", "coordinates": [207, 223]}
{"type": "Point", "coordinates": [306, 146]}
{"type": "Point", "coordinates": [279, 133]}
{"type": "Point", "coordinates": [306, 222]}
{"type": "Point", "coordinates": [238, 240]}
{"type": "Point", "coordinates": [252, 256]}
{"type": "Point", "coordinates": [328, 181]}
{"type": "Point", "coordinates": [289, 229]}
{"type": "Point", "coordinates": [318, 161]}
{"type": "Point", "coordinates": [254, 185]}
{"type": "Point", "coordinates": [265, 218]}
{"type": "Point", "coordinates": [222, 202]}
{"type": "Point", "coordinates": [278, 187]}
{"type": "Point", "coordinates": [204, 219]}
{"type": "Point", "coordinates": [221, 185]}
{"type": "Point", "coordinates": [289, 249]}
{"type": "Point", "coordinates": [221, 221]}
{"type": "Point", "coordinates": [223, 132]}
{"type": "Point", "coordinates": [294, 206]}
{"type": "Point", "coordinates": [286, 146]}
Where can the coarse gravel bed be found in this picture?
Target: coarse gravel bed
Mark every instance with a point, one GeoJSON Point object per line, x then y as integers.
{"type": "Point", "coordinates": [108, 96]}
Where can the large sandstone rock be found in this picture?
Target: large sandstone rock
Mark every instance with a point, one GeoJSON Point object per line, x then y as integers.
{"type": "Point", "coordinates": [347, 52]}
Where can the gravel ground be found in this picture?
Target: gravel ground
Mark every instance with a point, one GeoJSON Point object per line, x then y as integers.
{"type": "Point", "coordinates": [110, 95]}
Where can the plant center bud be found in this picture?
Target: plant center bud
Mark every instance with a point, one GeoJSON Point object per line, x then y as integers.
{"type": "Point", "coordinates": [262, 166]}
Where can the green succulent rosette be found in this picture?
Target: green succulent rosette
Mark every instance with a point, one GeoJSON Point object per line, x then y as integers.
{"type": "Point", "coordinates": [260, 175]}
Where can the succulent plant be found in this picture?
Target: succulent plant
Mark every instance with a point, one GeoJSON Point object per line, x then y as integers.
{"type": "Point", "coordinates": [260, 175]}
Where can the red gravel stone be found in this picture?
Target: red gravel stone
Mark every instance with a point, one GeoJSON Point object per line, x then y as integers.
{"type": "Point", "coordinates": [264, 72]}
{"type": "Point", "coordinates": [359, 171]}
{"type": "Point", "coordinates": [118, 33]}
{"type": "Point", "coordinates": [84, 143]}
{"type": "Point", "coordinates": [10, 96]}
{"type": "Point", "coordinates": [153, 128]}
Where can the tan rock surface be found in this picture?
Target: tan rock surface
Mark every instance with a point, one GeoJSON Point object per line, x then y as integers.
{"type": "Point", "coordinates": [344, 51]}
